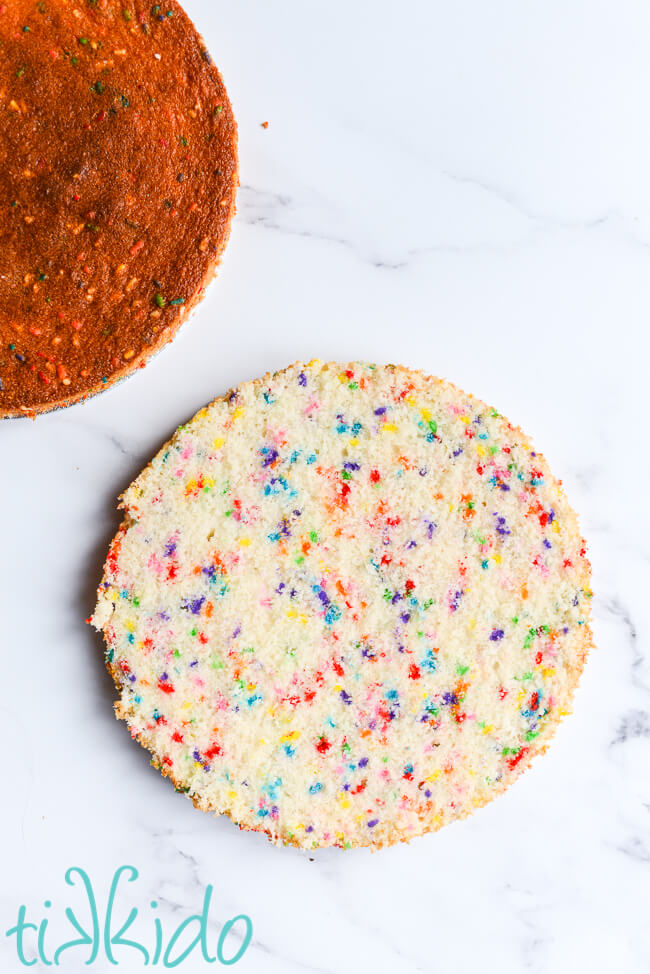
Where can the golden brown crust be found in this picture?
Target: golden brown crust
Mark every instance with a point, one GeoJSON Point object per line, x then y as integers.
{"type": "Point", "coordinates": [389, 836]}
{"type": "Point", "coordinates": [118, 174]}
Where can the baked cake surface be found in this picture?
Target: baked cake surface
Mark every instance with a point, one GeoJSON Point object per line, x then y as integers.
{"type": "Point", "coordinates": [347, 605]}
{"type": "Point", "coordinates": [118, 171]}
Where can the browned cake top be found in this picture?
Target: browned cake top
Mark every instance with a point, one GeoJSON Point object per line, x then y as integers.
{"type": "Point", "coordinates": [118, 171]}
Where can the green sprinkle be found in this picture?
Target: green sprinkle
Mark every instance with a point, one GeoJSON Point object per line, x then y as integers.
{"type": "Point", "coordinates": [98, 88]}
{"type": "Point", "coordinates": [313, 536]}
{"type": "Point", "coordinates": [127, 15]}
{"type": "Point", "coordinates": [42, 277]}
{"type": "Point", "coordinates": [182, 140]}
{"type": "Point", "coordinates": [155, 9]}
{"type": "Point", "coordinates": [20, 72]}
{"type": "Point", "coordinates": [300, 559]}
{"type": "Point", "coordinates": [14, 202]}
{"type": "Point", "coordinates": [433, 426]}
{"type": "Point", "coordinates": [125, 101]}
{"type": "Point", "coordinates": [461, 669]}
{"type": "Point", "coordinates": [93, 227]}
{"type": "Point", "coordinates": [74, 60]}
{"type": "Point", "coordinates": [82, 40]}
{"type": "Point", "coordinates": [160, 301]}
{"type": "Point", "coordinates": [218, 109]}
{"type": "Point", "coordinates": [136, 601]}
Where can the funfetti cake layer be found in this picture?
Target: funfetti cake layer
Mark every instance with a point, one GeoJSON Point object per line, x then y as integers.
{"type": "Point", "coordinates": [348, 604]}
{"type": "Point", "coordinates": [118, 171]}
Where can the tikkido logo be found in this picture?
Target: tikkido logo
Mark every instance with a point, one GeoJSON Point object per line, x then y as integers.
{"type": "Point", "coordinates": [34, 942]}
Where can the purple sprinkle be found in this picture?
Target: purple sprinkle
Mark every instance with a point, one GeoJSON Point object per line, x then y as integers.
{"type": "Point", "coordinates": [351, 466]}
{"type": "Point", "coordinates": [269, 457]}
{"type": "Point", "coordinates": [380, 411]}
{"type": "Point", "coordinates": [449, 698]}
{"type": "Point", "coordinates": [372, 823]}
{"type": "Point", "coordinates": [430, 528]}
{"type": "Point", "coordinates": [412, 544]}
{"type": "Point", "coordinates": [164, 677]}
{"type": "Point", "coordinates": [496, 634]}
{"type": "Point", "coordinates": [194, 663]}
{"type": "Point", "coordinates": [236, 632]}
{"type": "Point", "coordinates": [547, 543]}
{"type": "Point", "coordinates": [170, 548]}
{"type": "Point", "coordinates": [345, 697]}
{"type": "Point", "coordinates": [458, 451]}
{"type": "Point", "coordinates": [197, 756]}
{"type": "Point", "coordinates": [427, 793]}
{"type": "Point", "coordinates": [302, 379]}
{"type": "Point", "coordinates": [310, 828]}
{"type": "Point", "coordinates": [194, 605]}
{"type": "Point", "coordinates": [405, 616]}
{"type": "Point", "coordinates": [132, 678]}
{"type": "Point", "coordinates": [363, 762]}
{"type": "Point", "coordinates": [422, 471]}
{"type": "Point", "coordinates": [395, 598]}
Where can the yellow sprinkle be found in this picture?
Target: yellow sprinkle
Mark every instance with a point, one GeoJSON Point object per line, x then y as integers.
{"type": "Point", "coordinates": [218, 443]}
{"type": "Point", "coordinates": [488, 728]}
{"type": "Point", "coordinates": [237, 413]}
{"type": "Point", "coordinates": [496, 559]}
{"type": "Point", "coordinates": [434, 775]}
{"type": "Point", "coordinates": [480, 450]}
{"type": "Point", "coordinates": [548, 671]}
{"type": "Point", "coordinates": [245, 542]}
{"type": "Point", "coordinates": [464, 419]}
{"type": "Point", "coordinates": [389, 428]}
{"type": "Point", "coordinates": [425, 414]}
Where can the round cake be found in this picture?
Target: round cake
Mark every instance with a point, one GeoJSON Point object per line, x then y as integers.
{"type": "Point", "coordinates": [348, 604]}
{"type": "Point", "coordinates": [118, 171]}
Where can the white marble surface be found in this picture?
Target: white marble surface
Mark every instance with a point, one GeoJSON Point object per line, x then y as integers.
{"type": "Point", "coordinates": [461, 187]}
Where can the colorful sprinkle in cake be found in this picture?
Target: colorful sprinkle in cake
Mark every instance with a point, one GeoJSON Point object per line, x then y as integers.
{"type": "Point", "coordinates": [348, 604]}
{"type": "Point", "coordinates": [118, 173]}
